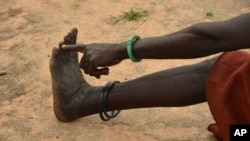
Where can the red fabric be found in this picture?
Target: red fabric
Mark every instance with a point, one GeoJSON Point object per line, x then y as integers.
{"type": "Point", "coordinates": [228, 92]}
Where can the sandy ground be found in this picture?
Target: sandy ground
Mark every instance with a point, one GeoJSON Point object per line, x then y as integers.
{"type": "Point", "coordinates": [29, 30]}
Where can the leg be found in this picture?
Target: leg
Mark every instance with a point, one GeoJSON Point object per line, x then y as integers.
{"type": "Point", "coordinates": [181, 86]}
{"type": "Point", "coordinates": [75, 98]}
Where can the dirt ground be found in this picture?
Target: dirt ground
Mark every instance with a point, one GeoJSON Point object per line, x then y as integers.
{"type": "Point", "coordinates": [29, 30]}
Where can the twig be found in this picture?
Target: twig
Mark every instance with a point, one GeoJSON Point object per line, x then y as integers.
{"type": "Point", "coordinates": [142, 22]}
{"type": "Point", "coordinates": [2, 73]}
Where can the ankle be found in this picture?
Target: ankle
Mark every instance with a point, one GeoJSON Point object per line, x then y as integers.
{"type": "Point", "coordinates": [83, 101]}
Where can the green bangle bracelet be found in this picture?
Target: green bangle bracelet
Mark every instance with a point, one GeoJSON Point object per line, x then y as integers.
{"type": "Point", "coordinates": [131, 40]}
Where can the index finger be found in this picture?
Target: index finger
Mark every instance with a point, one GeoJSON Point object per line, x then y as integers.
{"type": "Point", "coordinates": [77, 47]}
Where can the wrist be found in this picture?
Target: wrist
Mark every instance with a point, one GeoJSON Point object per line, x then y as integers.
{"type": "Point", "coordinates": [121, 50]}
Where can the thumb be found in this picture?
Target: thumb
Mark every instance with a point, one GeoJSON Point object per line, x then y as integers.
{"type": "Point", "coordinates": [104, 71]}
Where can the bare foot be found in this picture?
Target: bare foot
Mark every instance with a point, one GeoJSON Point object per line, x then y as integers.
{"type": "Point", "coordinates": [73, 97]}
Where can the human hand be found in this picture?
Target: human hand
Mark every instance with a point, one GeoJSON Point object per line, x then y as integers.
{"type": "Point", "coordinates": [98, 56]}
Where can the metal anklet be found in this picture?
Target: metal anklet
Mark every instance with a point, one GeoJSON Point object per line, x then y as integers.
{"type": "Point", "coordinates": [104, 115]}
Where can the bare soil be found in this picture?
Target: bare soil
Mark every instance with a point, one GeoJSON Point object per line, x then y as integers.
{"type": "Point", "coordinates": [29, 29]}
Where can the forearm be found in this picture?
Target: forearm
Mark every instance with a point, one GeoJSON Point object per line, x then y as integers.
{"type": "Point", "coordinates": [182, 45]}
{"type": "Point", "coordinates": [198, 40]}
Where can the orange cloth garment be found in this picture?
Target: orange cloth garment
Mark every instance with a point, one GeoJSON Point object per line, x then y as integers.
{"type": "Point", "coordinates": [228, 92]}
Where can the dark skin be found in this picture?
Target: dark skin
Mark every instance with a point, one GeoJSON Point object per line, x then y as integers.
{"type": "Point", "coordinates": [75, 98]}
{"type": "Point", "coordinates": [198, 40]}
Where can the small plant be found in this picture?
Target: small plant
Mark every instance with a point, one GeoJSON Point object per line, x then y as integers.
{"type": "Point", "coordinates": [76, 5]}
{"type": "Point", "coordinates": [210, 14]}
{"type": "Point", "coordinates": [132, 15]}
